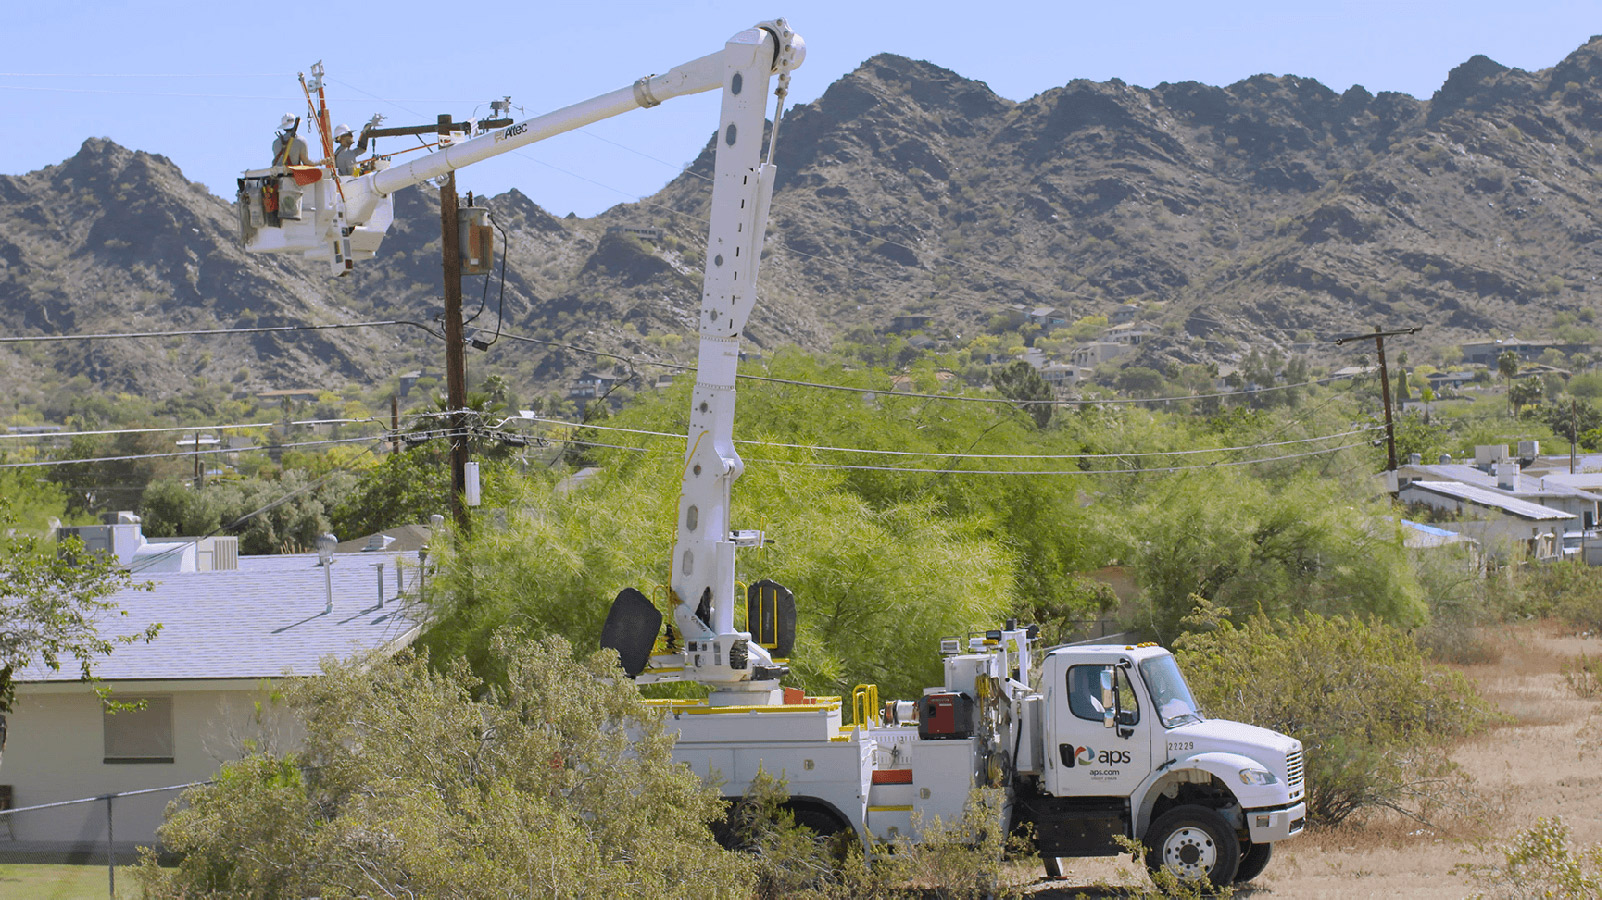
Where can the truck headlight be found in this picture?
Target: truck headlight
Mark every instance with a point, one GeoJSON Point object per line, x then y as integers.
{"type": "Point", "coordinates": [1257, 776]}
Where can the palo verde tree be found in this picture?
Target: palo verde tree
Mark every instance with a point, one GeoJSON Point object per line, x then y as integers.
{"type": "Point", "coordinates": [419, 782]}
{"type": "Point", "coordinates": [1022, 382]}
{"type": "Point", "coordinates": [55, 608]}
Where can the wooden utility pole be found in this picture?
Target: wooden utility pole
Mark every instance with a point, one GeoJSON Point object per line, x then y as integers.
{"type": "Point", "coordinates": [1378, 337]}
{"type": "Point", "coordinates": [455, 355]}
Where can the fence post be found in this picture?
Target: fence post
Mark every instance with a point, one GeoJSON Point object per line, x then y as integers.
{"type": "Point", "coordinates": [111, 852]}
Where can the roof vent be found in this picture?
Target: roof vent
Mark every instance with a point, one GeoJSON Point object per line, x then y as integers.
{"type": "Point", "coordinates": [1486, 456]}
{"type": "Point", "coordinates": [378, 542]}
{"type": "Point", "coordinates": [1507, 475]}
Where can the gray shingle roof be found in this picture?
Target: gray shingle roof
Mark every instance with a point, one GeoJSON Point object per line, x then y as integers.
{"type": "Point", "coordinates": [264, 620]}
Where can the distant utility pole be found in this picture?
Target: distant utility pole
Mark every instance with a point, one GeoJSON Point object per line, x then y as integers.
{"type": "Point", "coordinates": [1378, 337]}
{"type": "Point", "coordinates": [455, 355]}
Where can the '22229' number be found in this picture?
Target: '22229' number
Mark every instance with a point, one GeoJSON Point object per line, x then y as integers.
{"type": "Point", "coordinates": [1181, 745]}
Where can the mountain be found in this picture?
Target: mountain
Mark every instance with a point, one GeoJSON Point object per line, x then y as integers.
{"type": "Point", "coordinates": [1268, 213]}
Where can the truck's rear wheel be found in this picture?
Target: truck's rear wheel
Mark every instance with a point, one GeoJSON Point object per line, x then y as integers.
{"type": "Point", "coordinates": [1194, 843]}
{"type": "Point", "coordinates": [1253, 859]}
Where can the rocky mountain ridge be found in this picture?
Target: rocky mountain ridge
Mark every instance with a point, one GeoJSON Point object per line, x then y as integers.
{"type": "Point", "coordinates": [1270, 213]}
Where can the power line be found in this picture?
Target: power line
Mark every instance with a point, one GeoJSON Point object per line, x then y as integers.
{"type": "Point", "coordinates": [197, 332]}
{"type": "Point", "coordinates": [184, 454]}
{"type": "Point", "coordinates": [271, 506]}
{"type": "Point", "coordinates": [925, 471]}
{"type": "Point", "coordinates": [1127, 471]}
{"type": "Point", "coordinates": [954, 398]}
{"type": "Point", "coordinates": [238, 426]}
{"type": "Point", "coordinates": [958, 455]}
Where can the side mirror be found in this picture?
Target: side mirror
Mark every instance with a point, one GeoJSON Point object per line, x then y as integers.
{"type": "Point", "coordinates": [1109, 699]}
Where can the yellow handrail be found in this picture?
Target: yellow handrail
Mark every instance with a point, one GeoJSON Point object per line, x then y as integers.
{"type": "Point", "coordinates": [865, 705]}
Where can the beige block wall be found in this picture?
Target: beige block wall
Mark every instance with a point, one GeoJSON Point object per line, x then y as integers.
{"type": "Point", "coordinates": [55, 751]}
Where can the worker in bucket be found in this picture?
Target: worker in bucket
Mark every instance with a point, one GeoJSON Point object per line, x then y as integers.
{"type": "Point", "coordinates": [346, 152]}
{"type": "Point", "coordinates": [289, 149]}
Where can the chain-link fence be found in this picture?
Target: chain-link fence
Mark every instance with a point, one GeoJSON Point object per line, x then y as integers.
{"type": "Point", "coordinates": [70, 848]}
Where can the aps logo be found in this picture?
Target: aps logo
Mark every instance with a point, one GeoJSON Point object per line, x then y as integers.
{"type": "Point", "coordinates": [1084, 756]}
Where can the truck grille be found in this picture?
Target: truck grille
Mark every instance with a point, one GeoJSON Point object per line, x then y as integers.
{"type": "Point", "coordinates": [1293, 769]}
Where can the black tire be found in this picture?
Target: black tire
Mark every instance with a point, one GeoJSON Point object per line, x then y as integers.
{"type": "Point", "coordinates": [1195, 844]}
{"type": "Point", "coordinates": [1253, 859]}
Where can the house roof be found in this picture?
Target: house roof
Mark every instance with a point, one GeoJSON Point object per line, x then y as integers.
{"type": "Point", "coordinates": [1525, 486]}
{"type": "Point", "coordinates": [402, 539]}
{"type": "Point", "coordinates": [1490, 497]}
{"type": "Point", "coordinates": [264, 620]}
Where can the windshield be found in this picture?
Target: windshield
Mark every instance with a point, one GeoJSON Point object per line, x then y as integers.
{"type": "Point", "coordinates": [1169, 693]}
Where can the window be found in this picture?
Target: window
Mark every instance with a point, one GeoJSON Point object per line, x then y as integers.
{"type": "Point", "coordinates": [1084, 694]}
{"type": "Point", "coordinates": [139, 735]}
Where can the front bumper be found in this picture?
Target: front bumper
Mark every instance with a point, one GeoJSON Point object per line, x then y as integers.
{"type": "Point", "coordinates": [1269, 825]}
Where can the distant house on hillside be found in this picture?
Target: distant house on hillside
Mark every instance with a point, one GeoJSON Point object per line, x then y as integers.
{"type": "Point", "coordinates": [644, 232]}
{"type": "Point", "coordinates": [590, 386]}
{"type": "Point", "coordinates": [908, 322]}
{"type": "Point", "coordinates": [1048, 318]}
{"type": "Point", "coordinates": [1485, 353]}
{"type": "Point", "coordinates": [1093, 354]}
{"type": "Point", "coordinates": [226, 636]}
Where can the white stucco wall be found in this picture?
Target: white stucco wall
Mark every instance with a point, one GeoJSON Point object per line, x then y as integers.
{"type": "Point", "coordinates": [55, 751]}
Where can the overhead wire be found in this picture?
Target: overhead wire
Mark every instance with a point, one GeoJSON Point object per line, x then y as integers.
{"type": "Point", "coordinates": [39, 435]}
{"type": "Point", "coordinates": [198, 332]}
{"type": "Point", "coordinates": [944, 471]}
{"type": "Point", "coordinates": [183, 454]}
{"type": "Point", "coordinates": [959, 455]}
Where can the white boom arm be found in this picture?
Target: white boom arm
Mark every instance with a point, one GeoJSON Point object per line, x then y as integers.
{"type": "Point", "coordinates": [703, 555]}
{"type": "Point", "coordinates": [312, 219]}
{"type": "Point", "coordinates": [346, 219]}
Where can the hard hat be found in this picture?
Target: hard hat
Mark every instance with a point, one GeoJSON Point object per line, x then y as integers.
{"type": "Point", "coordinates": [288, 121]}
{"type": "Point", "coordinates": [341, 131]}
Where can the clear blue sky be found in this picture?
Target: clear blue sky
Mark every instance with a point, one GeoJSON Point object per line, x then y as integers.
{"type": "Point", "coordinates": [205, 83]}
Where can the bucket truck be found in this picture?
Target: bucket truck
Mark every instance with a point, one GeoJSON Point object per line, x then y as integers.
{"type": "Point", "coordinates": [1087, 743]}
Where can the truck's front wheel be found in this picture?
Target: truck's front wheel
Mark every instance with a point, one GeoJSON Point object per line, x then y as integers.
{"type": "Point", "coordinates": [1253, 860]}
{"type": "Point", "coordinates": [1193, 843]}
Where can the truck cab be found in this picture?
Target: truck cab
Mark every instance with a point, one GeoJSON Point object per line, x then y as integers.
{"type": "Point", "coordinates": [1124, 750]}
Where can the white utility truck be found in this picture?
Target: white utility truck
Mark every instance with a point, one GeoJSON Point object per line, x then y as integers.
{"type": "Point", "coordinates": [1088, 743]}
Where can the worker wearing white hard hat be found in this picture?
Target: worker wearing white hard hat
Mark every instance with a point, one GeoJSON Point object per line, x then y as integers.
{"type": "Point", "coordinates": [289, 149]}
{"type": "Point", "coordinates": [345, 154]}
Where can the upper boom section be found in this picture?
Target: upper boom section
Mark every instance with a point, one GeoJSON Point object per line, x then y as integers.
{"type": "Point", "coordinates": [308, 213]}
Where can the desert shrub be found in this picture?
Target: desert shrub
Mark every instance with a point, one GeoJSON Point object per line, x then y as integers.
{"type": "Point", "coordinates": [560, 784]}
{"type": "Point", "coordinates": [1584, 676]}
{"type": "Point", "coordinates": [1462, 601]}
{"type": "Point", "coordinates": [1569, 591]}
{"type": "Point", "coordinates": [1373, 715]}
{"type": "Point", "coordinates": [1539, 862]}
{"type": "Point", "coordinates": [952, 861]}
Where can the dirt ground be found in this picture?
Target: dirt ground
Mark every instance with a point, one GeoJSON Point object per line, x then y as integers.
{"type": "Point", "coordinates": [1545, 761]}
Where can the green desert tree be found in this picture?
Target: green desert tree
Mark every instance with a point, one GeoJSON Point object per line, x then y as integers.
{"type": "Point", "coordinates": [1022, 382]}
{"type": "Point", "coordinates": [417, 781]}
{"type": "Point", "coordinates": [1374, 717]}
{"type": "Point", "coordinates": [56, 608]}
{"type": "Point", "coordinates": [874, 585]}
{"type": "Point", "coordinates": [1258, 547]}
